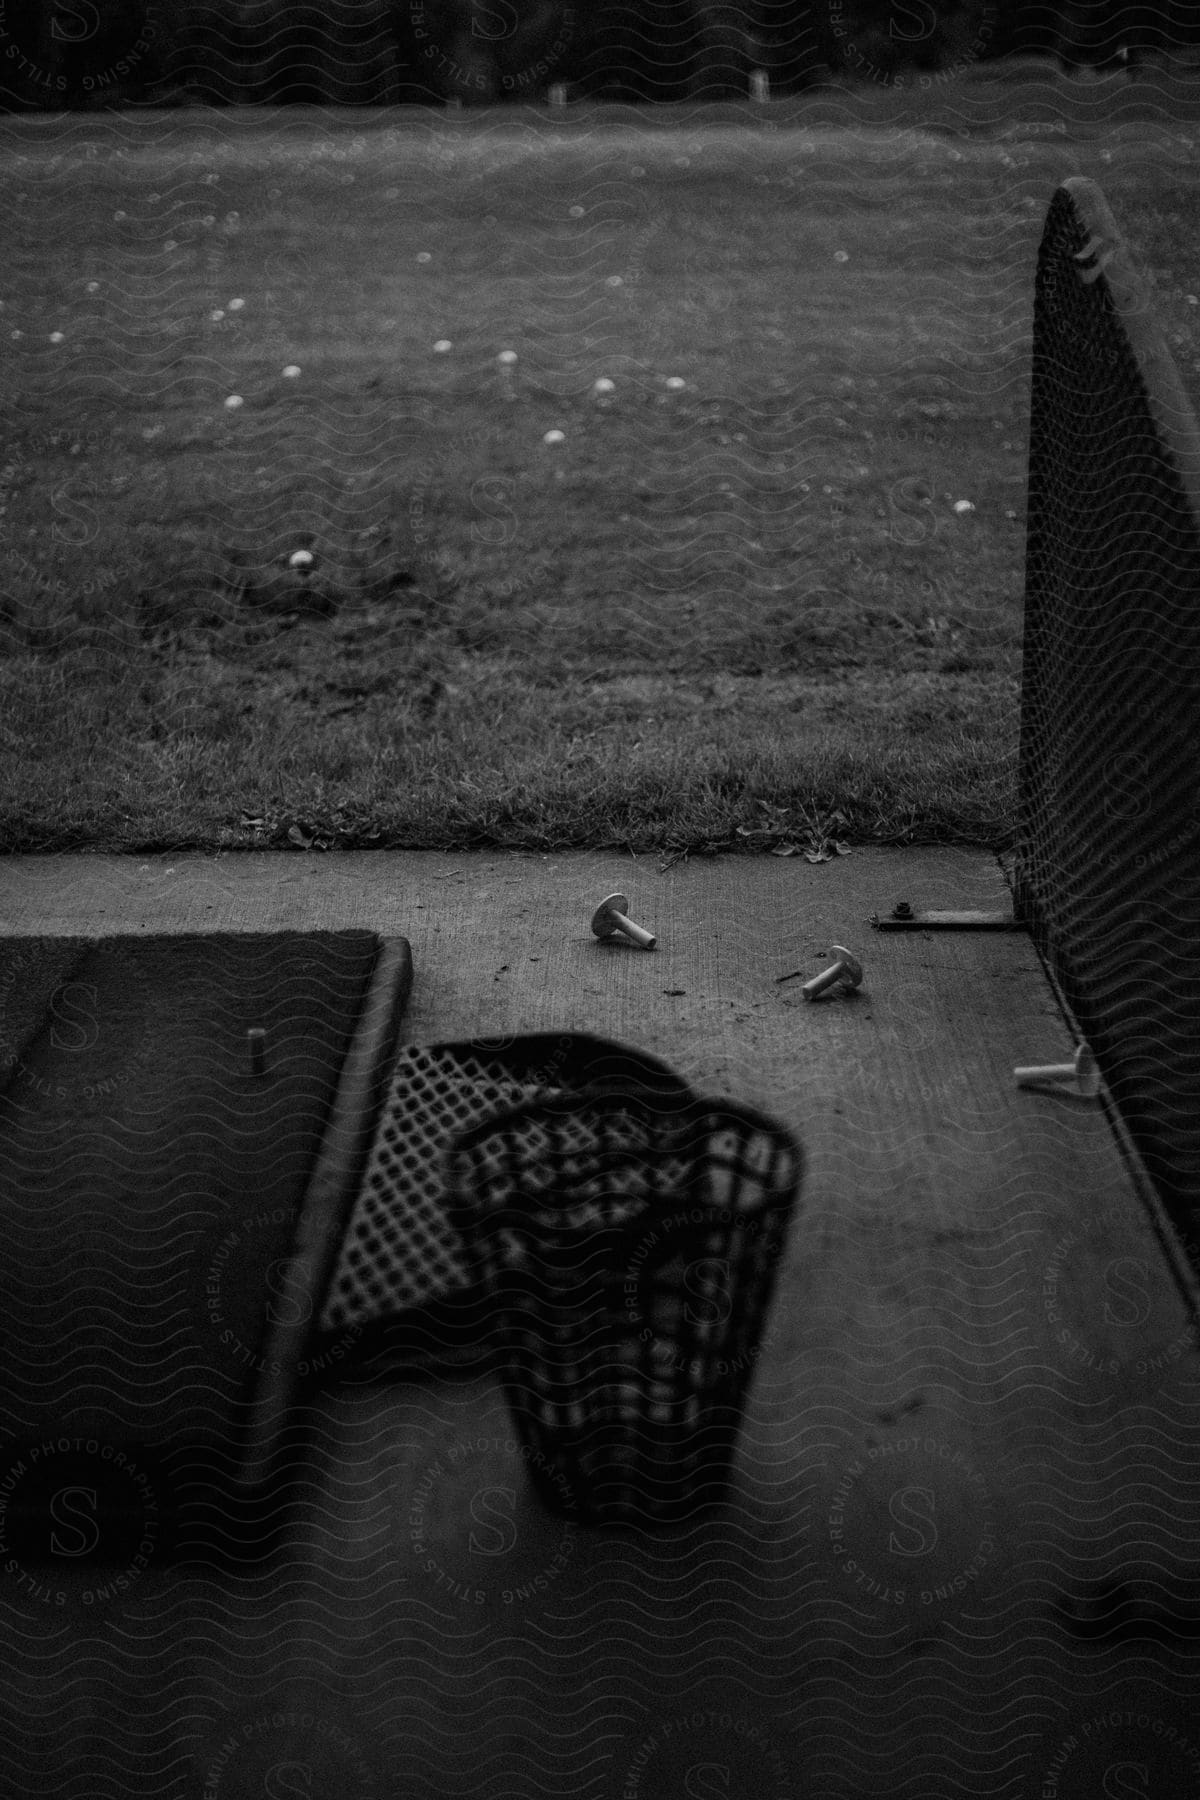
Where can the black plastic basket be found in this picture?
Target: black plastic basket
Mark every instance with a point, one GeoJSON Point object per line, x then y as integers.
{"type": "Point", "coordinates": [401, 1258]}
{"type": "Point", "coordinates": [629, 1250]}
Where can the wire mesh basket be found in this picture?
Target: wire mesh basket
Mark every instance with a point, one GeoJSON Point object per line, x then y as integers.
{"type": "Point", "coordinates": [400, 1251]}
{"type": "Point", "coordinates": [629, 1250]}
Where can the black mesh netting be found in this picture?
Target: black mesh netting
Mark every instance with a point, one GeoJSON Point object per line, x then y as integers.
{"type": "Point", "coordinates": [1108, 834]}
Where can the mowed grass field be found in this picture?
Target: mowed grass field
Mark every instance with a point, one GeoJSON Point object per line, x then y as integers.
{"type": "Point", "coordinates": [763, 592]}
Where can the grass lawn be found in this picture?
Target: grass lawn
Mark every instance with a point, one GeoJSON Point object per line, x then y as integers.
{"type": "Point", "coordinates": [765, 593]}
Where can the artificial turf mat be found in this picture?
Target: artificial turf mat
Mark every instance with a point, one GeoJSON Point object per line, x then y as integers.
{"type": "Point", "coordinates": [151, 1189]}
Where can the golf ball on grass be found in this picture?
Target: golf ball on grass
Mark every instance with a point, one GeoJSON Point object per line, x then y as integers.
{"type": "Point", "coordinates": [301, 561]}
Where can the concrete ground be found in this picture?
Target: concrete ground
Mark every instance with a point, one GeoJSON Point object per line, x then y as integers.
{"type": "Point", "coordinates": [966, 1513]}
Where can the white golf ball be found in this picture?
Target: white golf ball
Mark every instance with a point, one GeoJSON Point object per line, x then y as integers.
{"type": "Point", "coordinates": [603, 386]}
{"type": "Point", "coordinates": [233, 402]}
{"type": "Point", "coordinates": [507, 357]}
{"type": "Point", "coordinates": [291, 372]}
{"type": "Point", "coordinates": [441, 347]}
{"type": "Point", "coordinates": [676, 381]}
{"type": "Point", "coordinates": [554, 437]}
{"type": "Point", "coordinates": [301, 559]}
{"type": "Point", "coordinates": [236, 305]}
{"type": "Point", "coordinates": [56, 337]}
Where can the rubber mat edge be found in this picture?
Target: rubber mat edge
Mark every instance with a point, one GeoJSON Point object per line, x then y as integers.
{"type": "Point", "coordinates": [330, 1195]}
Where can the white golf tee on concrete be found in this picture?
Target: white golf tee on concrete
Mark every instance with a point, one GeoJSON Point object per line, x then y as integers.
{"type": "Point", "coordinates": [609, 917]}
{"type": "Point", "coordinates": [847, 970]}
{"type": "Point", "coordinates": [1082, 1074]}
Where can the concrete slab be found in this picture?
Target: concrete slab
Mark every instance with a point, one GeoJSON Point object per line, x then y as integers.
{"type": "Point", "coordinates": [501, 942]}
{"type": "Point", "coordinates": [966, 1485]}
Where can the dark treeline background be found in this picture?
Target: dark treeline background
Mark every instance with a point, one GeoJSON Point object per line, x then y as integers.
{"type": "Point", "coordinates": [91, 53]}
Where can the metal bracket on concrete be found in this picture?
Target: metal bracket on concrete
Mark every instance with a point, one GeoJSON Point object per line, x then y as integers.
{"type": "Point", "coordinates": [904, 917]}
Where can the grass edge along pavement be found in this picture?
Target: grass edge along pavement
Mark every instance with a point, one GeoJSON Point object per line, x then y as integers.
{"type": "Point", "coordinates": [646, 804]}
